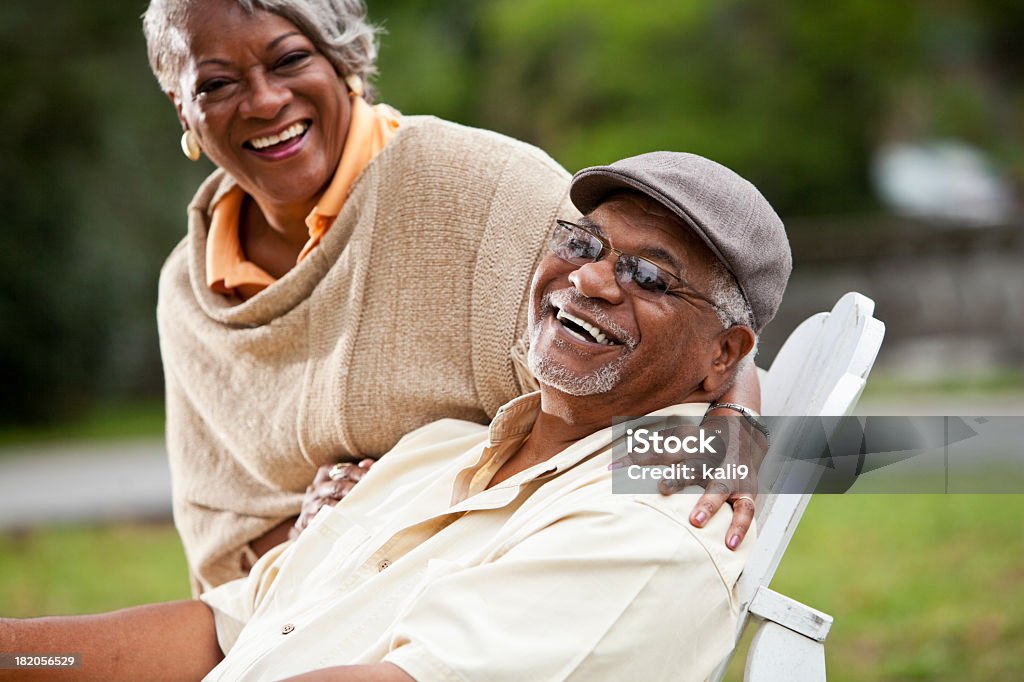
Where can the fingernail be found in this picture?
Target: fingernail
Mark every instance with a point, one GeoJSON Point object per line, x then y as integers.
{"type": "Point", "coordinates": [734, 542]}
{"type": "Point", "coordinates": [617, 464]}
{"type": "Point", "coordinates": [700, 517]}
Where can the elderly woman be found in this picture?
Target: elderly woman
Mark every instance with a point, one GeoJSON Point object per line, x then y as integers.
{"type": "Point", "coordinates": [349, 274]}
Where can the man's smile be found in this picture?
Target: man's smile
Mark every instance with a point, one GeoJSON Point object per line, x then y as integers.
{"type": "Point", "coordinates": [579, 319]}
{"type": "Point", "coordinates": [582, 329]}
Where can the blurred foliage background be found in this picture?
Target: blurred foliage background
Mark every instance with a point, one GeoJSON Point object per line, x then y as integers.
{"type": "Point", "coordinates": [795, 95]}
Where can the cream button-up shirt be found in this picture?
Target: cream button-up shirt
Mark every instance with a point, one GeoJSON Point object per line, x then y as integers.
{"type": "Point", "coordinates": [545, 576]}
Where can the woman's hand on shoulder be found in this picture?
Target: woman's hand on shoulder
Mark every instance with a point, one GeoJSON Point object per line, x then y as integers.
{"type": "Point", "coordinates": [331, 484]}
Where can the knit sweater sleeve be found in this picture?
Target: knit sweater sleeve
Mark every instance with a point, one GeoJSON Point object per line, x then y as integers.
{"type": "Point", "coordinates": [531, 193]}
{"type": "Point", "coordinates": [218, 506]}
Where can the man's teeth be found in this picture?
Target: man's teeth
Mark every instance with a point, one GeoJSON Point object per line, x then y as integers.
{"type": "Point", "coordinates": [594, 332]}
{"type": "Point", "coordinates": [293, 131]}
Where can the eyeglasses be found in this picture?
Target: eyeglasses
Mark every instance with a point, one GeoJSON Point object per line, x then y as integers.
{"type": "Point", "coordinates": [577, 245]}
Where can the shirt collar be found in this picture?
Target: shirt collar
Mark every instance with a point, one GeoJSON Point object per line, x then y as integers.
{"type": "Point", "coordinates": [369, 130]}
{"type": "Point", "coordinates": [512, 424]}
{"type": "Point", "coordinates": [226, 264]}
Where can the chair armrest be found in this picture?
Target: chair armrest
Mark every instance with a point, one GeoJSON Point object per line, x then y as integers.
{"type": "Point", "coordinates": [769, 605]}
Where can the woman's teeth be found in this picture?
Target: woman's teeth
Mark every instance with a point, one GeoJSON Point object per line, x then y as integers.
{"type": "Point", "coordinates": [292, 131]}
{"type": "Point", "coordinates": [595, 333]}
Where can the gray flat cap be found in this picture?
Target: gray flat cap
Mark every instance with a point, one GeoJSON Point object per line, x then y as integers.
{"type": "Point", "coordinates": [729, 214]}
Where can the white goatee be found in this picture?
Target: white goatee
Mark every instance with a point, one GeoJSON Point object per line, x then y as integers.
{"type": "Point", "coordinates": [553, 373]}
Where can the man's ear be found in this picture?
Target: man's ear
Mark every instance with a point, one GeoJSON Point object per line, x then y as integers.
{"type": "Point", "coordinates": [730, 346]}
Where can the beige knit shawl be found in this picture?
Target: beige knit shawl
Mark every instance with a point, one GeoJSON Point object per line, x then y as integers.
{"type": "Point", "coordinates": [405, 313]}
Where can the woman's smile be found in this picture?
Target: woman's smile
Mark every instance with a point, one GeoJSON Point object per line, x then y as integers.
{"type": "Point", "coordinates": [283, 145]}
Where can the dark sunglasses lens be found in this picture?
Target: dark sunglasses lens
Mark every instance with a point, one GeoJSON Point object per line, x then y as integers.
{"type": "Point", "coordinates": [643, 273]}
{"type": "Point", "coordinates": [574, 244]}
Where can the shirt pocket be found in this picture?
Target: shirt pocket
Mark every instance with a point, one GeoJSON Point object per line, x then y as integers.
{"type": "Point", "coordinates": [711, 538]}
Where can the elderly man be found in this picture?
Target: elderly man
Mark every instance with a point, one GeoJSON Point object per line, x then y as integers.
{"type": "Point", "coordinates": [486, 554]}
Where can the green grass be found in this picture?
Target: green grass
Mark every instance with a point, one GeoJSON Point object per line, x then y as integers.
{"type": "Point", "coordinates": [884, 385]}
{"type": "Point", "coordinates": [922, 587]}
{"type": "Point", "coordinates": [86, 569]}
{"type": "Point", "coordinates": [104, 422]}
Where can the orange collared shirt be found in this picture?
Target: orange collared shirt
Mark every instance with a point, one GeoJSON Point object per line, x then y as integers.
{"type": "Point", "coordinates": [228, 270]}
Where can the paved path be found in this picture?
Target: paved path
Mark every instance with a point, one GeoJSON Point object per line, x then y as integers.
{"type": "Point", "coordinates": [84, 482]}
{"type": "Point", "coordinates": [129, 480]}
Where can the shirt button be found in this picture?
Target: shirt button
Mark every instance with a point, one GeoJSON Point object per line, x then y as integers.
{"type": "Point", "coordinates": [382, 564]}
{"type": "Point", "coordinates": [286, 628]}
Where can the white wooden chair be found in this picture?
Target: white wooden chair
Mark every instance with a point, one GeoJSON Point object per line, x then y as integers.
{"type": "Point", "coordinates": [820, 370]}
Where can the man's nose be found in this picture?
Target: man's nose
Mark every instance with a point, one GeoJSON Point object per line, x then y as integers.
{"type": "Point", "coordinates": [597, 280]}
{"type": "Point", "coordinates": [266, 98]}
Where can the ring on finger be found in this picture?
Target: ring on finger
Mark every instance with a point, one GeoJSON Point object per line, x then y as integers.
{"type": "Point", "coordinates": [338, 471]}
{"type": "Point", "coordinates": [744, 497]}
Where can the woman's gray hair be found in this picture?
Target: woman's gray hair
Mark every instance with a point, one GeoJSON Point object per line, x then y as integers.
{"type": "Point", "coordinates": [338, 28]}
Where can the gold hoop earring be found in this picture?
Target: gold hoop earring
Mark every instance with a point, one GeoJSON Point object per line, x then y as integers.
{"type": "Point", "coordinates": [190, 146]}
{"type": "Point", "coordinates": [355, 84]}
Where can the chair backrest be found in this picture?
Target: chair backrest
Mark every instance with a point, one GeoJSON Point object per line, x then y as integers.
{"type": "Point", "coordinates": [821, 370]}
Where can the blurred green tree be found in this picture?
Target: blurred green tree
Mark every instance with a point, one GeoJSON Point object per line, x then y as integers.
{"type": "Point", "coordinates": [94, 197]}
{"type": "Point", "coordinates": [795, 94]}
